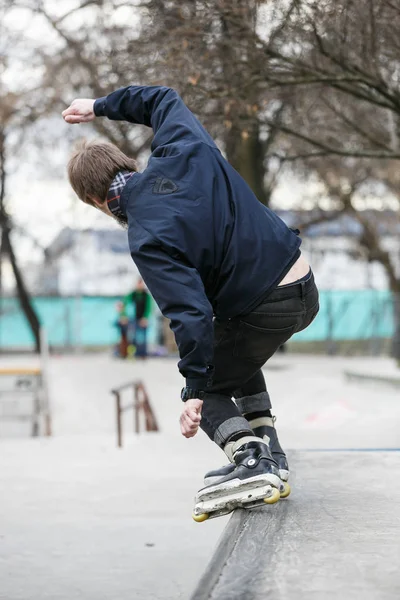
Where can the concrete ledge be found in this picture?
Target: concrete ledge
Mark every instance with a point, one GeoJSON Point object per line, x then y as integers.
{"type": "Point", "coordinates": [224, 551]}
{"type": "Point", "coordinates": [371, 378]}
{"type": "Point", "coordinates": [336, 536]}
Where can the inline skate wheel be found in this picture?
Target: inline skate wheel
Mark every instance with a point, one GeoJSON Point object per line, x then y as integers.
{"type": "Point", "coordinates": [274, 497]}
{"type": "Point", "coordinates": [200, 518]}
{"type": "Point", "coordinates": [285, 489]}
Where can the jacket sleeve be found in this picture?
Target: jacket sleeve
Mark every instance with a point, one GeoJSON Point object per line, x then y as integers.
{"type": "Point", "coordinates": [179, 292]}
{"type": "Point", "coordinates": [158, 107]}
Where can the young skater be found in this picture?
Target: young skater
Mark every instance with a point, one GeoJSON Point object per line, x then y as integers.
{"type": "Point", "coordinates": [222, 267]}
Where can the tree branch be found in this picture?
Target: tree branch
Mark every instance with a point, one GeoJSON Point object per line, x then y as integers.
{"type": "Point", "coordinates": [329, 149]}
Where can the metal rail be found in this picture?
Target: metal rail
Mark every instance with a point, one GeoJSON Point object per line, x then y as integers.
{"type": "Point", "coordinates": [140, 404]}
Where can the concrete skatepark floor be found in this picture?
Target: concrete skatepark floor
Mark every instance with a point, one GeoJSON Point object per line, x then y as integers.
{"type": "Point", "coordinates": [82, 519]}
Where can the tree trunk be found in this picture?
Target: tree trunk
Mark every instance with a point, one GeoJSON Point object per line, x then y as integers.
{"type": "Point", "coordinates": [371, 242]}
{"type": "Point", "coordinates": [245, 153]}
{"type": "Point", "coordinates": [23, 294]}
{"type": "Point", "coordinates": [244, 149]}
{"type": "Point", "coordinates": [7, 249]}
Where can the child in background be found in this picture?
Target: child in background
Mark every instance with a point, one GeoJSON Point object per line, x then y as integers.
{"type": "Point", "coordinates": [141, 301]}
{"type": "Point", "coordinates": [122, 323]}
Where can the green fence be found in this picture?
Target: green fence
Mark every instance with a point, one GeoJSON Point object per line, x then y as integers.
{"type": "Point", "coordinates": [69, 322]}
{"type": "Point", "coordinates": [90, 321]}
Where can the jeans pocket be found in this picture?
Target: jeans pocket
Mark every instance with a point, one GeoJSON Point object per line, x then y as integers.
{"type": "Point", "coordinates": [258, 344]}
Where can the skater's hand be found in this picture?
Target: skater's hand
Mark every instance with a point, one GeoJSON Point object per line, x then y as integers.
{"type": "Point", "coordinates": [143, 322]}
{"type": "Point", "coordinates": [80, 111]}
{"type": "Point", "coordinates": [191, 417]}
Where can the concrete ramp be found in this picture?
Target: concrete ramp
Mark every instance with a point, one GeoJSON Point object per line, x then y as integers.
{"type": "Point", "coordinates": [336, 536]}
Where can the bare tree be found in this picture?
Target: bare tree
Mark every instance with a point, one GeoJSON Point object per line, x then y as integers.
{"type": "Point", "coordinates": [348, 183]}
{"type": "Point", "coordinates": [294, 82]}
{"type": "Point", "coordinates": [7, 107]}
{"type": "Point", "coordinates": [94, 53]}
{"type": "Point", "coordinates": [339, 62]}
{"type": "Point", "coordinates": [207, 50]}
{"type": "Point", "coordinates": [210, 51]}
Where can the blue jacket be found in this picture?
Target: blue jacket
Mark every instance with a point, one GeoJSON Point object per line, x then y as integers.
{"type": "Point", "coordinates": [201, 240]}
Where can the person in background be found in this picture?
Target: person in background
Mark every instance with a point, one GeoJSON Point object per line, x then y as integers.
{"type": "Point", "coordinates": [141, 301]}
{"type": "Point", "coordinates": [122, 323]}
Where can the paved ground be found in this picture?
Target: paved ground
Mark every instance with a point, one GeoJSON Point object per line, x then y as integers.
{"type": "Point", "coordinates": [81, 519]}
{"type": "Point", "coordinates": [337, 536]}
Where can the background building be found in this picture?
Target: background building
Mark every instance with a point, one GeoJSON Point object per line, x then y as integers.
{"type": "Point", "coordinates": [88, 262]}
{"type": "Point", "coordinates": [97, 262]}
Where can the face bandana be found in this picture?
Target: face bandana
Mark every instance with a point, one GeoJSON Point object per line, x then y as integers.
{"type": "Point", "coordinates": [114, 195]}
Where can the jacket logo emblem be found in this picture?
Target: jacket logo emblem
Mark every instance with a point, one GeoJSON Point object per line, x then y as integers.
{"type": "Point", "coordinates": [163, 185]}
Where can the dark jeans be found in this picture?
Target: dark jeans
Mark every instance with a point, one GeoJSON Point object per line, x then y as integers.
{"type": "Point", "coordinates": [140, 340]}
{"type": "Point", "coordinates": [242, 346]}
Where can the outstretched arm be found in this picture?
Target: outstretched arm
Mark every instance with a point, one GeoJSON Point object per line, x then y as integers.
{"type": "Point", "coordinates": [155, 106]}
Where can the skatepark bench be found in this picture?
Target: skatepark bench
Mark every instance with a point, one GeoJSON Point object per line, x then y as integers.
{"type": "Point", "coordinates": [26, 381]}
{"type": "Point", "coordinates": [336, 536]}
{"type": "Point", "coordinates": [141, 406]}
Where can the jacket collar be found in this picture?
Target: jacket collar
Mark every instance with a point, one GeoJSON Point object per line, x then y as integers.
{"type": "Point", "coordinates": [114, 194]}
